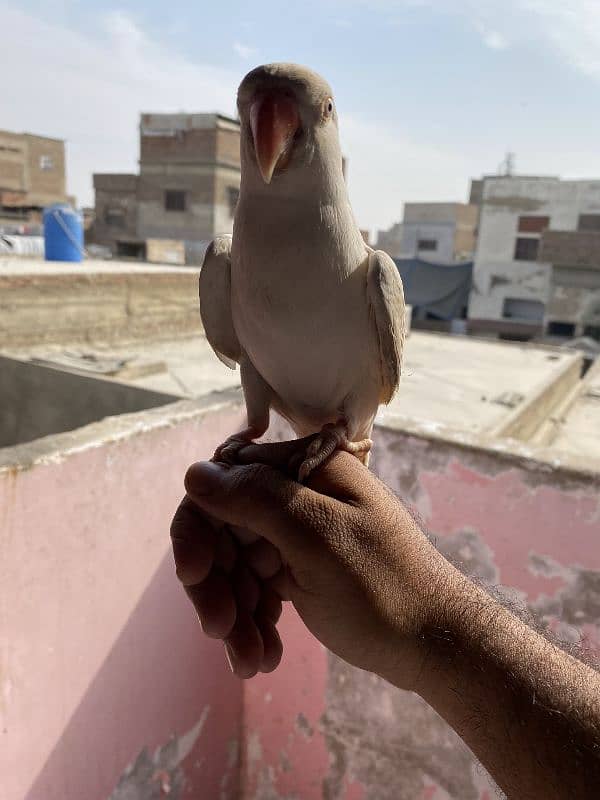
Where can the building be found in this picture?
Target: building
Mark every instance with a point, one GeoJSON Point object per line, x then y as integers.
{"type": "Point", "coordinates": [390, 241]}
{"type": "Point", "coordinates": [573, 307]}
{"type": "Point", "coordinates": [32, 175]}
{"type": "Point", "coordinates": [439, 232]}
{"type": "Point", "coordinates": [527, 225]}
{"type": "Point", "coordinates": [186, 189]}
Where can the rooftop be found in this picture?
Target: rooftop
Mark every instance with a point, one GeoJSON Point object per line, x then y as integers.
{"type": "Point", "coordinates": [519, 398]}
{"type": "Point", "coordinates": [38, 267]}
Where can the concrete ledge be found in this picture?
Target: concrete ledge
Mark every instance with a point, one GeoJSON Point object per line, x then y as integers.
{"type": "Point", "coordinates": [109, 305]}
{"type": "Point", "coordinates": [527, 418]}
{"type": "Point", "coordinates": [111, 429]}
{"type": "Point", "coordinates": [511, 452]}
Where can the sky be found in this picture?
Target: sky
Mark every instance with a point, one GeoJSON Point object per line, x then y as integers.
{"type": "Point", "coordinates": [430, 93]}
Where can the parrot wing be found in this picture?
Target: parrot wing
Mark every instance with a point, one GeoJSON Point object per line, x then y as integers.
{"type": "Point", "coordinates": [386, 302]}
{"type": "Point", "coordinates": [215, 302]}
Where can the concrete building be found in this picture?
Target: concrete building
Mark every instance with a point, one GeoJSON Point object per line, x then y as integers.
{"type": "Point", "coordinates": [32, 175]}
{"type": "Point", "coordinates": [573, 307]}
{"type": "Point", "coordinates": [390, 241]}
{"type": "Point", "coordinates": [439, 232]}
{"type": "Point", "coordinates": [514, 282]}
{"type": "Point", "coordinates": [186, 190]}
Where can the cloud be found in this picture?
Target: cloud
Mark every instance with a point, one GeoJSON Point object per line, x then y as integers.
{"type": "Point", "coordinates": [494, 40]}
{"type": "Point", "coordinates": [244, 51]}
{"type": "Point", "coordinates": [386, 167]}
{"type": "Point", "coordinates": [90, 89]}
{"type": "Point", "coordinates": [572, 27]}
{"type": "Point", "coordinates": [569, 28]}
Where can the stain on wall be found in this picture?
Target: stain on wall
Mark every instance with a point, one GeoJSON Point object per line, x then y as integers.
{"type": "Point", "coordinates": [158, 774]}
{"type": "Point", "coordinates": [521, 527]}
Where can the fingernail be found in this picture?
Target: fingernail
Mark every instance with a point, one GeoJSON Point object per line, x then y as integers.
{"type": "Point", "coordinates": [204, 478]}
{"type": "Point", "coordinates": [229, 657]}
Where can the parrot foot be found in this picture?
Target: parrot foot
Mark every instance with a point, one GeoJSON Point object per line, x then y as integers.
{"type": "Point", "coordinates": [332, 437]}
{"type": "Point", "coordinates": [227, 452]}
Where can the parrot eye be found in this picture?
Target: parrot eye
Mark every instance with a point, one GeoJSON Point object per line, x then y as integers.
{"type": "Point", "coordinates": [328, 108]}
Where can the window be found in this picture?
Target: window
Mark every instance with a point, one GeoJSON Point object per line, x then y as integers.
{"type": "Point", "coordinates": [427, 244]}
{"type": "Point", "coordinates": [233, 194]}
{"type": "Point", "coordinates": [561, 328]}
{"type": "Point", "coordinates": [526, 249]}
{"type": "Point", "coordinates": [533, 224]}
{"type": "Point", "coordinates": [46, 162]}
{"type": "Point", "coordinates": [115, 217]}
{"type": "Point", "coordinates": [131, 250]}
{"type": "Point", "coordinates": [593, 331]}
{"type": "Point", "coordinates": [174, 200]}
{"type": "Point", "coordinates": [524, 310]}
{"type": "Point", "coordinates": [589, 222]}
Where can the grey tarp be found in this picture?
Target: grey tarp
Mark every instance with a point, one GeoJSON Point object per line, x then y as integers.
{"type": "Point", "coordinates": [440, 289]}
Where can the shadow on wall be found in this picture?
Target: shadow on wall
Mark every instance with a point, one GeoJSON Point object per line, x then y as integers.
{"type": "Point", "coordinates": [163, 711]}
{"type": "Point", "coordinates": [38, 400]}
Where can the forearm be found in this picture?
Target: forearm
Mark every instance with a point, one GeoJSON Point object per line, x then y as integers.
{"type": "Point", "coordinates": [529, 711]}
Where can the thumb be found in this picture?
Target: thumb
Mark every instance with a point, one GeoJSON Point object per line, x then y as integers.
{"type": "Point", "coordinates": [258, 497]}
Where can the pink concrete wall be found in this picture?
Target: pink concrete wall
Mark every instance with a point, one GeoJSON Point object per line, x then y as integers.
{"type": "Point", "coordinates": [103, 664]}
{"type": "Point", "coordinates": [318, 728]}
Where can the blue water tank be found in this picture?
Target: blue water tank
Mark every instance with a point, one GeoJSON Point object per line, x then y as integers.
{"type": "Point", "coordinates": [63, 233]}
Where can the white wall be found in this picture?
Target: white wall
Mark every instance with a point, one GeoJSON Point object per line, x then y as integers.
{"type": "Point", "coordinates": [497, 275]}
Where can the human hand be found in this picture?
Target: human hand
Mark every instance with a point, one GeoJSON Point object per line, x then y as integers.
{"type": "Point", "coordinates": [360, 572]}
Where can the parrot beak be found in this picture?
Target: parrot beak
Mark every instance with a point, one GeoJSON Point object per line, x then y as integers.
{"type": "Point", "coordinates": [274, 120]}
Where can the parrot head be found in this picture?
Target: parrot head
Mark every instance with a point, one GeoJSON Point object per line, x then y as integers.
{"type": "Point", "coordinates": [289, 124]}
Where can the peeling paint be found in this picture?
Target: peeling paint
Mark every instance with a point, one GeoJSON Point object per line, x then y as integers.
{"type": "Point", "coordinates": [304, 726]}
{"type": "Point", "coordinates": [157, 775]}
{"type": "Point", "coordinates": [393, 755]}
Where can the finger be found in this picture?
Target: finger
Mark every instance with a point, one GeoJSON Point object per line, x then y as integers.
{"type": "Point", "coordinates": [269, 605]}
{"type": "Point", "coordinates": [243, 535]}
{"type": "Point", "coordinates": [244, 647]}
{"type": "Point", "coordinates": [214, 603]}
{"type": "Point", "coordinates": [341, 476]}
{"type": "Point", "coordinates": [193, 541]}
{"type": "Point", "coordinates": [245, 588]}
{"type": "Point", "coordinates": [225, 550]}
{"type": "Point", "coordinates": [272, 646]}
{"type": "Point", "coordinates": [280, 583]}
{"type": "Point", "coordinates": [276, 454]}
{"type": "Point", "coordinates": [344, 478]}
{"type": "Point", "coordinates": [263, 558]}
{"type": "Point", "coordinates": [260, 498]}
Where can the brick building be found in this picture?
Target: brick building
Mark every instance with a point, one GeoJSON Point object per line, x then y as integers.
{"type": "Point", "coordinates": [186, 190]}
{"type": "Point", "coordinates": [32, 175]}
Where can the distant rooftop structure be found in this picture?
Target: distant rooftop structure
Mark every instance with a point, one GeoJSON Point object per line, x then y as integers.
{"type": "Point", "coordinates": [186, 189]}
{"type": "Point", "coordinates": [437, 232]}
{"type": "Point", "coordinates": [32, 175]}
{"type": "Point", "coordinates": [537, 262]}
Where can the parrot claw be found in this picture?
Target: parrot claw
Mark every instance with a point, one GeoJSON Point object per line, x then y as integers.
{"type": "Point", "coordinates": [332, 437]}
{"type": "Point", "coordinates": [228, 450]}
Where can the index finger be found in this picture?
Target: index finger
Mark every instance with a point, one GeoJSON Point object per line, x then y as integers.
{"type": "Point", "coordinates": [342, 477]}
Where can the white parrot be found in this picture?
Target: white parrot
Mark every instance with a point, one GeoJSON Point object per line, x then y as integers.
{"type": "Point", "coordinates": [313, 316]}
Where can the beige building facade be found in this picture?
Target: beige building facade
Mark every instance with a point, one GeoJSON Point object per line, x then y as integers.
{"type": "Point", "coordinates": [32, 176]}
{"type": "Point", "coordinates": [186, 190]}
